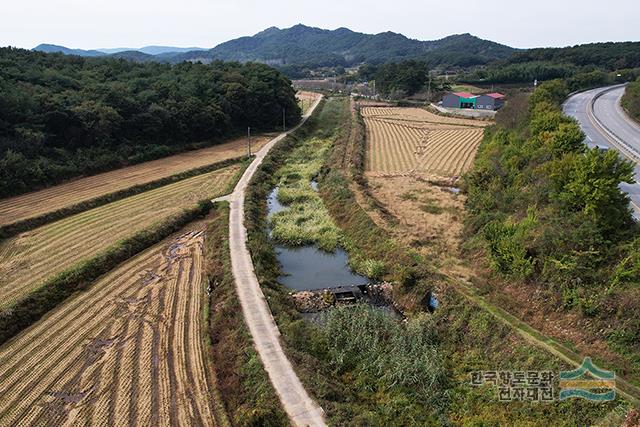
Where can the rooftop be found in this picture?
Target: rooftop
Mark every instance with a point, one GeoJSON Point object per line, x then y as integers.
{"type": "Point", "coordinates": [465, 94]}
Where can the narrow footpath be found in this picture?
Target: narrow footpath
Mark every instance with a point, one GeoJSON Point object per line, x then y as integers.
{"type": "Point", "coordinates": [301, 409]}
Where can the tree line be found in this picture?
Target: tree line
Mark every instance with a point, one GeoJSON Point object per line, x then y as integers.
{"type": "Point", "coordinates": [631, 99]}
{"type": "Point", "coordinates": [601, 61]}
{"type": "Point", "coordinates": [67, 116]}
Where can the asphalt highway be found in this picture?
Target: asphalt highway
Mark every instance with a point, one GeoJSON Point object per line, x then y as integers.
{"type": "Point", "coordinates": [607, 126]}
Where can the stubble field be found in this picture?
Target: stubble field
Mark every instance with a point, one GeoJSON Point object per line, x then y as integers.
{"type": "Point", "coordinates": [130, 351]}
{"type": "Point", "coordinates": [51, 199]}
{"type": "Point", "coordinates": [415, 141]}
{"type": "Point", "coordinates": [29, 258]}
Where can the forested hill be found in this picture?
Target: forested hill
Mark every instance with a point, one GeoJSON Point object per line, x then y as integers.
{"type": "Point", "coordinates": [595, 59]}
{"type": "Point", "coordinates": [65, 116]}
{"type": "Point", "coordinates": [609, 56]}
{"type": "Point", "coordinates": [314, 47]}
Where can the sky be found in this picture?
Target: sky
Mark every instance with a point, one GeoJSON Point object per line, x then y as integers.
{"type": "Point", "coordinates": [89, 24]}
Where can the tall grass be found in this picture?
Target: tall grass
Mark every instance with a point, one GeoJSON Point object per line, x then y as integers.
{"type": "Point", "coordinates": [306, 220]}
{"type": "Point", "coordinates": [241, 382]}
{"type": "Point", "coordinates": [379, 349]}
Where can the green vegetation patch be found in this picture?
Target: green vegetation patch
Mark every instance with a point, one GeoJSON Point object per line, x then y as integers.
{"type": "Point", "coordinates": [474, 340]}
{"type": "Point", "coordinates": [305, 220]}
{"type": "Point", "coordinates": [631, 99]}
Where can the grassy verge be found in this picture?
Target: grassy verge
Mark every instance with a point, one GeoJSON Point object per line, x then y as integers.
{"type": "Point", "coordinates": [55, 290]}
{"type": "Point", "coordinates": [241, 381]}
{"type": "Point", "coordinates": [631, 100]}
{"type": "Point", "coordinates": [474, 340]}
{"type": "Point", "coordinates": [12, 229]}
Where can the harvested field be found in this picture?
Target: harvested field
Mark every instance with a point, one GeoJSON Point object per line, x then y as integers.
{"type": "Point", "coordinates": [130, 351]}
{"type": "Point", "coordinates": [29, 258]}
{"type": "Point", "coordinates": [415, 141]}
{"type": "Point", "coordinates": [51, 199]}
{"type": "Point", "coordinates": [426, 217]}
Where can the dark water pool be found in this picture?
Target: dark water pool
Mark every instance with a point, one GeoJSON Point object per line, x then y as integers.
{"type": "Point", "coordinates": [273, 205]}
{"type": "Point", "coordinates": [308, 267]}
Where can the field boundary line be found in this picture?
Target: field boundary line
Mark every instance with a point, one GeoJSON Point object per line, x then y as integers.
{"type": "Point", "coordinates": [11, 229]}
{"type": "Point", "coordinates": [627, 390]}
{"type": "Point", "coordinates": [52, 292]}
{"type": "Point", "coordinates": [301, 409]}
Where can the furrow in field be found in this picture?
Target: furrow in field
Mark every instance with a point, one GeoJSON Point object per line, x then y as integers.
{"type": "Point", "coordinates": [47, 250]}
{"type": "Point", "coordinates": [413, 139]}
{"type": "Point", "coordinates": [128, 349]}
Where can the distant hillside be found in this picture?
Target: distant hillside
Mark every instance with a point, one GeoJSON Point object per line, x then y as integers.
{"type": "Point", "coordinates": [143, 54]}
{"type": "Point", "coordinates": [133, 55]}
{"type": "Point", "coordinates": [610, 55]}
{"type": "Point", "coordinates": [52, 48]}
{"type": "Point", "coordinates": [593, 61]}
{"type": "Point", "coordinates": [153, 50]}
{"type": "Point", "coordinates": [315, 47]}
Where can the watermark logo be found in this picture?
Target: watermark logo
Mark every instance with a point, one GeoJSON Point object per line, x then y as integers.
{"type": "Point", "coordinates": [588, 382]}
{"type": "Point", "coordinates": [532, 386]}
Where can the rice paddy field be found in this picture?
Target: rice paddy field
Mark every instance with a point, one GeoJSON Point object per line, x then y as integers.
{"type": "Point", "coordinates": [130, 351]}
{"type": "Point", "coordinates": [413, 140]}
{"type": "Point", "coordinates": [51, 199]}
{"type": "Point", "coordinates": [30, 258]}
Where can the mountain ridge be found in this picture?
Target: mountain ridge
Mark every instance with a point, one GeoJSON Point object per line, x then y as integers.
{"type": "Point", "coordinates": [310, 46]}
{"type": "Point", "coordinates": [305, 46]}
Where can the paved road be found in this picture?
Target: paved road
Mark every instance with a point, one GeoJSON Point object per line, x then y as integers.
{"type": "Point", "coordinates": [299, 406]}
{"type": "Point", "coordinates": [605, 124]}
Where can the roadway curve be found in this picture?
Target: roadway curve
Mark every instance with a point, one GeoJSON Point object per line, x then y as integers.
{"type": "Point", "coordinates": [605, 124]}
{"type": "Point", "coordinates": [299, 406]}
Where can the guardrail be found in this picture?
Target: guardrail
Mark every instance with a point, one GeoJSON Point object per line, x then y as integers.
{"type": "Point", "coordinates": [628, 150]}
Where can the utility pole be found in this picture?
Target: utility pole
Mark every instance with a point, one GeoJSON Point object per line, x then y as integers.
{"type": "Point", "coordinates": [429, 90]}
{"type": "Point", "coordinates": [249, 141]}
{"type": "Point", "coordinates": [284, 121]}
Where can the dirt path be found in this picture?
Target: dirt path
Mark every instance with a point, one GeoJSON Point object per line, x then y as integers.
{"type": "Point", "coordinates": [299, 406]}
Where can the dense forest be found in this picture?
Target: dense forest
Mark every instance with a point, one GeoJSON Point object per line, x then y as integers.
{"type": "Point", "coordinates": [631, 99]}
{"type": "Point", "coordinates": [399, 79]}
{"type": "Point", "coordinates": [66, 116]}
{"type": "Point", "coordinates": [555, 63]}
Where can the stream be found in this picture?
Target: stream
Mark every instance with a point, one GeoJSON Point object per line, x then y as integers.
{"type": "Point", "coordinates": [309, 268]}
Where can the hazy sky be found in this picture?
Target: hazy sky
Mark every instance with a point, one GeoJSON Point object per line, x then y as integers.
{"type": "Point", "coordinates": [205, 23]}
